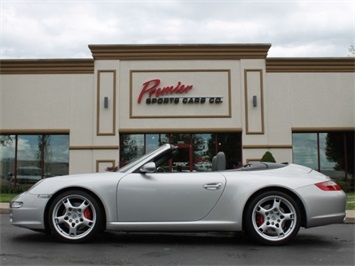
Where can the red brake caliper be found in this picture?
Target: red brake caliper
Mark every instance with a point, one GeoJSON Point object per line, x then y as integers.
{"type": "Point", "coordinates": [87, 214]}
{"type": "Point", "coordinates": [259, 219]}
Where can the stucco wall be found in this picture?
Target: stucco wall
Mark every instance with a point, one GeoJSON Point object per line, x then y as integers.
{"type": "Point", "coordinates": [292, 95]}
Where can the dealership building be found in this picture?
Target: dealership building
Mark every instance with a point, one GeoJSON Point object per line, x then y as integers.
{"type": "Point", "coordinates": [63, 116]}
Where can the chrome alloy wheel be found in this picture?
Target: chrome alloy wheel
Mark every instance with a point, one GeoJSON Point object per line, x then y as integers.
{"type": "Point", "coordinates": [274, 218]}
{"type": "Point", "coordinates": [73, 216]}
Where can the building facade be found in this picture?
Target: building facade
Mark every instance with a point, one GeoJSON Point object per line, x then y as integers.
{"type": "Point", "coordinates": [65, 116]}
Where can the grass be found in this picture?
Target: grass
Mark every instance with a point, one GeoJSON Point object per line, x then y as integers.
{"type": "Point", "coordinates": [350, 202]}
{"type": "Point", "coordinates": [6, 197]}
{"type": "Point", "coordinates": [350, 205]}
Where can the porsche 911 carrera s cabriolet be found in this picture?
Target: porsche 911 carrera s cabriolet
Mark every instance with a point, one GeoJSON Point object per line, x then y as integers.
{"type": "Point", "coordinates": [268, 201]}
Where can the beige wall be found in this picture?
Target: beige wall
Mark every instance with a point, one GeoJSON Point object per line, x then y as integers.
{"type": "Point", "coordinates": [52, 103]}
{"type": "Point", "coordinates": [288, 99]}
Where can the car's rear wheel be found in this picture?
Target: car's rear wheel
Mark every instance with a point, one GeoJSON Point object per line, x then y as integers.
{"type": "Point", "coordinates": [74, 216]}
{"type": "Point", "coordinates": [272, 218]}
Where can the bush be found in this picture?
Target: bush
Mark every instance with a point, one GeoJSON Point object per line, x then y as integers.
{"type": "Point", "coordinates": [8, 189]}
{"type": "Point", "coordinates": [112, 169]}
{"type": "Point", "coordinates": [346, 185]}
{"type": "Point", "coordinates": [267, 157]}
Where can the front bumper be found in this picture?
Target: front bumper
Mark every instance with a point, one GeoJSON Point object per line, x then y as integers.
{"type": "Point", "coordinates": [27, 210]}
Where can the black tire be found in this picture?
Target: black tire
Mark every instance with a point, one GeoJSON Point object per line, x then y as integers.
{"type": "Point", "coordinates": [74, 216]}
{"type": "Point", "coordinates": [272, 218]}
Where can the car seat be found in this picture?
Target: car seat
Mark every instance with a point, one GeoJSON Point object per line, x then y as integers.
{"type": "Point", "coordinates": [219, 162]}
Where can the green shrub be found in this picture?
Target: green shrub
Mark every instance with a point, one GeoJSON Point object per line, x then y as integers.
{"type": "Point", "coordinates": [8, 189]}
{"type": "Point", "coordinates": [267, 157]}
{"type": "Point", "coordinates": [346, 185]}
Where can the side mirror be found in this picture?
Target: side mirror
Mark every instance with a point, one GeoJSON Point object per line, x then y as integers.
{"type": "Point", "coordinates": [148, 168]}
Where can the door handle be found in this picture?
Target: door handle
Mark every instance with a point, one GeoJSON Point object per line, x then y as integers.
{"type": "Point", "coordinates": [212, 186]}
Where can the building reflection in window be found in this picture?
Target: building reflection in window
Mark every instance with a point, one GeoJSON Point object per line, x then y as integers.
{"type": "Point", "coordinates": [203, 147]}
{"type": "Point", "coordinates": [25, 159]}
{"type": "Point", "coordinates": [202, 153]}
{"type": "Point", "coordinates": [131, 147]}
{"type": "Point", "coordinates": [331, 153]}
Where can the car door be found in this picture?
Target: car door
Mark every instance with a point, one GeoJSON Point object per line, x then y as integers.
{"type": "Point", "coordinates": [168, 197]}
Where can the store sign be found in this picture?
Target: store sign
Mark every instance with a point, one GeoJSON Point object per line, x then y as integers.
{"type": "Point", "coordinates": [156, 94]}
{"type": "Point", "coordinates": [184, 93]}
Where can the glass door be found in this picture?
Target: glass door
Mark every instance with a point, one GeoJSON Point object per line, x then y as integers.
{"type": "Point", "coordinates": [182, 161]}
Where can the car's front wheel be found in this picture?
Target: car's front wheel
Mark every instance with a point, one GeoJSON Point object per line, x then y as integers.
{"type": "Point", "coordinates": [272, 218]}
{"type": "Point", "coordinates": [74, 216]}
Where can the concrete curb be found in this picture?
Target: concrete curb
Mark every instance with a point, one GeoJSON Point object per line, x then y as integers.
{"type": "Point", "coordinates": [4, 208]}
{"type": "Point", "coordinates": [350, 215]}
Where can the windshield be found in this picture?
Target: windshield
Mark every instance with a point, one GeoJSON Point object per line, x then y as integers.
{"type": "Point", "coordinates": [141, 159]}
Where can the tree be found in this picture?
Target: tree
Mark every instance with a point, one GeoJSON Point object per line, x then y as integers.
{"type": "Point", "coordinates": [129, 149]}
{"type": "Point", "coordinates": [352, 51]}
{"type": "Point", "coordinates": [44, 153]}
{"type": "Point", "coordinates": [267, 157]}
{"type": "Point", "coordinates": [339, 148]}
{"type": "Point", "coordinates": [6, 140]}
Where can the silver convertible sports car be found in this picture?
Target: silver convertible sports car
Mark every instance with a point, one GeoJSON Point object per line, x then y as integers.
{"type": "Point", "coordinates": [270, 202]}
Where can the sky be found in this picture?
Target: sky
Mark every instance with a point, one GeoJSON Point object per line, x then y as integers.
{"type": "Point", "coordinates": [28, 146]}
{"type": "Point", "coordinates": [39, 29]}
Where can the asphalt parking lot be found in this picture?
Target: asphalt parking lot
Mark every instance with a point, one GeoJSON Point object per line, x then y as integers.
{"type": "Point", "coordinates": [327, 245]}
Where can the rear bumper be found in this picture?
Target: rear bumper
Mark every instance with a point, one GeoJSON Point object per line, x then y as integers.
{"type": "Point", "coordinates": [338, 218]}
{"type": "Point", "coordinates": [323, 207]}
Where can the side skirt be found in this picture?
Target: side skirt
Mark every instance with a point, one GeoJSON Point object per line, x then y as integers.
{"type": "Point", "coordinates": [199, 226]}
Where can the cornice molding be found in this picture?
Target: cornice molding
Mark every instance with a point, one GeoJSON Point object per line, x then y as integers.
{"type": "Point", "coordinates": [311, 65]}
{"type": "Point", "coordinates": [321, 129]}
{"type": "Point", "coordinates": [47, 66]}
{"type": "Point", "coordinates": [177, 52]}
{"type": "Point", "coordinates": [33, 131]}
{"type": "Point", "coordinates": [178, 130]}
{"type": "Point", "coordinates": [180, 52]}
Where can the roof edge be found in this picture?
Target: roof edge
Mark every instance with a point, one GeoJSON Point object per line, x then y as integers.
{"type": "Point", "coordinates": [47, 66]}
{"type": "Point", "coordinates": [301, 64]}
{"type": "Point", "coordinates": [179, 51]}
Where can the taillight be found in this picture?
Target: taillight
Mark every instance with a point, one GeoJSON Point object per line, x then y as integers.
{"type": "Point", "coordinates": [328, 186]}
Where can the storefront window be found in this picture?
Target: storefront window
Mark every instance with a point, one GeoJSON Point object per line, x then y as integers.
{"type": "Point", "coordinates": [196, 150]}
{"type": "Point", "coordinates": [56, 155]}
{"type": "Point", "coordinates": [327, 164]}
{"type": "Point", "coordinates": [231, 145]}
{"type": "Point", "coordinates": [331, 153]}
{"type": "Point", "coordinates": [305, 149]}
{"type": "Point", "coordinates": [202, 157]}
{"type": "Point", "coordinates": [153, 141]}
{"type": "Point", "coordinates": [27, 158]}
{"type": "Point", "coordinates": [131, 147]}
{"type": "Point", "coordinates": [180, 138]}
{"type": "Point", "coordinates": [7, 157]}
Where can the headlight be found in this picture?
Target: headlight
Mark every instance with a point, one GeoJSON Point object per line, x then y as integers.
{"type": "Point", "coordinates": [16, 204]}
